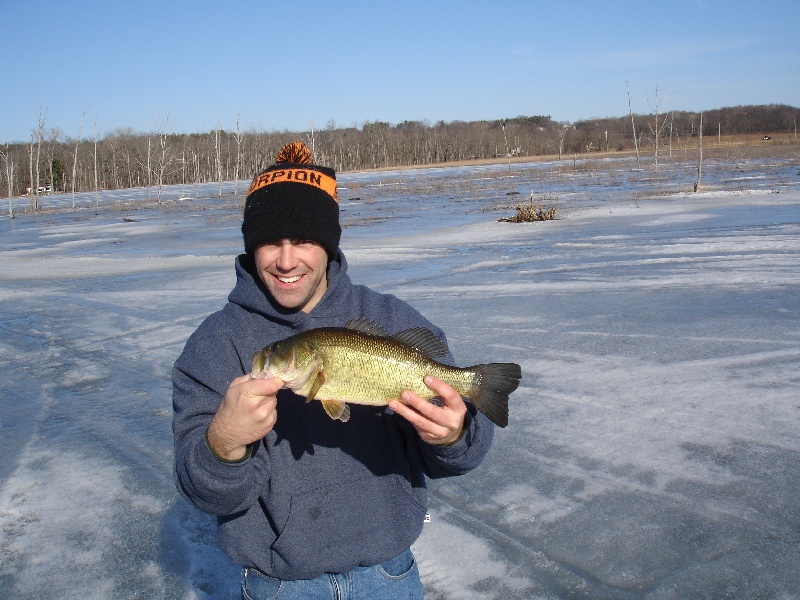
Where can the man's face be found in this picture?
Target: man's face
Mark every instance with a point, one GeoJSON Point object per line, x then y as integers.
{"type": "Point", "coordinates": [294, 272]}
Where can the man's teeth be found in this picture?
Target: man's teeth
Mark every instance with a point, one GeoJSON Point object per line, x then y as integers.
{"type": "Point", "coordinates": [290, 279]}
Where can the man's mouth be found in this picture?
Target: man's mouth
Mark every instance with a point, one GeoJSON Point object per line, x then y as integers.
{"type": "Point", "coordinates": [289, 280]}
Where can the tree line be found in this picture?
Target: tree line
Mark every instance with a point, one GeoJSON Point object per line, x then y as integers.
{"type": "Point", "coordinates": [55, 162]}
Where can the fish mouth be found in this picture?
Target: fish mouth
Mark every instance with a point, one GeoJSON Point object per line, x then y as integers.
{"type": "Point", "coordinates": [284, 371]}
{"type": "Point", "coordinates": [261, 361]}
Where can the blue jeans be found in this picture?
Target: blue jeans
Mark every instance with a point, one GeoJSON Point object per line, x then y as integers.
{"type": "Point", "coordinates": [397, 578]}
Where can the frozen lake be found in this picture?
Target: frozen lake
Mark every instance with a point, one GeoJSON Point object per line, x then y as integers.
{"type": "Point", "coordinates": [653, 449]}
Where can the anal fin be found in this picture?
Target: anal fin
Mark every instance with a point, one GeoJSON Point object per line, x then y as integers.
{"type": "Point", "coordinates": [337, 409]}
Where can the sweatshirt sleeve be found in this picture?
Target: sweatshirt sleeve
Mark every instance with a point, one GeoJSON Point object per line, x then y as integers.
{"type": "Point", "coordinates": [212, 485]}
{"type": "Point", "coordinates": [465, 454]}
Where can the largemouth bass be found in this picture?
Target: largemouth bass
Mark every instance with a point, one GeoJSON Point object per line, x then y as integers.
{"type": "Point", "coordinates": [361, 364]}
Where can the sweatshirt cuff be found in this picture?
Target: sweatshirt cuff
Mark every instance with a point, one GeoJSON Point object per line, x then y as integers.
{"type": "Point", "coordinates": [248, 452]}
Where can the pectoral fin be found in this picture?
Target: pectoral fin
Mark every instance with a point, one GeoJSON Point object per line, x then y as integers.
{"type": "Point", "coordinates": [318, 381]}
{"type": "Point", "coordinates": [337, 409]}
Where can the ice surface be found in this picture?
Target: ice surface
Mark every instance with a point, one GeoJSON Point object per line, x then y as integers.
{"type": "Point", "coordinates": [653, 449]}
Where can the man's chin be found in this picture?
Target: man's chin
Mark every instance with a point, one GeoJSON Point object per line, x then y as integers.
{"type": "Point", "coordinates": [289, 299]}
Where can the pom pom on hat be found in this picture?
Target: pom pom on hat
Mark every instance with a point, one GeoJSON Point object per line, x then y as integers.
{"type": "Point", "coordinates": [295, 152]}
{"type": "Point", "coordinates": [294, 199]}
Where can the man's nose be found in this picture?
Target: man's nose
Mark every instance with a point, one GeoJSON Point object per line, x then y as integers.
{"type": "Point", "coordinates": [287, 259]}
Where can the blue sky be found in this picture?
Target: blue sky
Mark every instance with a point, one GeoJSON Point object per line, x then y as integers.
{"type": "Point", "coordinates": [189, 66]}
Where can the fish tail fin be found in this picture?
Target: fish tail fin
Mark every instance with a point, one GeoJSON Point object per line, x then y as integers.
{"type": "Point", "coordinates": [495, 382]}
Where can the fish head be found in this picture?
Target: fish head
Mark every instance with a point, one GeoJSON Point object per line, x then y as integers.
{"type": "Point", "coordinates": [292, 361]}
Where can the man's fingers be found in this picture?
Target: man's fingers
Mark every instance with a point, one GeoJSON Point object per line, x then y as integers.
{"type": "Point", "coordinates": [264, 387]}
{"type": "Point", "coordinates": [239, 380]}
{"type": "Point", "coordinates": [253, 388]}
{"type": "Point", "coordinates": [411, 408]}
{"type": "Point", "coordinates": [436, 423]}
{"type": "Point", "coordinates": [419, 406]}
{"type": "Point", "coordinates": [451, 398]}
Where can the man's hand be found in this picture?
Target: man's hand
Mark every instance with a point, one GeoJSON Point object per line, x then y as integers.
{"type": "Point", "coordinates": [247, 413]}
{"type": "Point", "coordinates": [437, 425]}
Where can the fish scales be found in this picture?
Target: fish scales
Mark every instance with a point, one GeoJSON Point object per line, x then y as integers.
{"type": "Point", "coordinates": [366, 369]}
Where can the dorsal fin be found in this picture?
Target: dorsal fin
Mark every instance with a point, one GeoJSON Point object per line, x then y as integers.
{"type": "Point", "coordinates": [364, 325]}
{"type": "Point", "coordinates": [420, 338]}
{"type": "Point", "coordinates": [423, 340]}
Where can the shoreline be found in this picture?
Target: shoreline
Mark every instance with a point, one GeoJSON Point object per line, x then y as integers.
{"type": "Point", "coordinates": [778, 144]}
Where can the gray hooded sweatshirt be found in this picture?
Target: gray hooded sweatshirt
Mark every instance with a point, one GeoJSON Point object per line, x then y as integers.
{"type": "Point", "coordinates": [316, 495]}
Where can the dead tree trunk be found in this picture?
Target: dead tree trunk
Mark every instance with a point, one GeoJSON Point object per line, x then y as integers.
{"type": "Point", "coordinates": [657, 128]}
{"type": "Point", "coordinates": [96, 180]}
{"type": "Point", "coordinates": [75, 157]}
{"type": "Point", "coordinates": [239, 136]}
{"type": "Point", "coordinates": [700, 162]}
{"type": "Point", "coordinates": [39, 138]}
{"type": "Point", "coordinates": [31, 189]}
{"type": "Point", "coordinates": [633, 125]}
{"type": "Point", "coordinates": [218, 158]}
{"type": "Point", "coordinates": [9, 177]}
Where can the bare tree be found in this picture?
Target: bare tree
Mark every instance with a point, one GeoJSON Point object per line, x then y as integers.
{"type": "Point", "coordinates": [33, 192]}
{"type": "Point", "coordinates": [657, 126]}
{"type": "Point", "coordinates": [53, 136]}
{"type": "Point", "coordinates": [75, 156]}
{"type": "Point", "coordinates": [700, 162]}
{"type": "Point", "coordinates": [9, 160]}
{"type": "Point", "coordinates": [165, 157]}
{"type": "Point", "coordinates": [36, 140]}
{"type": "Point", "coordinates": [312, 141]}
{"type": "Point", "coordinates": [218, 157]}
{"type": "Point", "coordinates": [150, 162]}
{"type": "Point", "coordinates": [508, 150]}
{"type": "Point", "coordinates": [239, 136]}
{"type": "Point", "coordinates": [671, 121]}
{"type": "Point", "coordinates": [96, 183]}
{"type": "Point", "coordinates": [633, 125]}
{"type": "Point", "coordinates": [128, 140]}
{"type": "Point", "coordinates": [561, 135]}
{"type": "Point", "coordinates": [196, 166]}
{"type": "Point", "coordinates": [39, 139]}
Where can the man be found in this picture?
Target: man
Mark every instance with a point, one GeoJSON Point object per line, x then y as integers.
{"type": "Point", "coordinates": [311, 507]}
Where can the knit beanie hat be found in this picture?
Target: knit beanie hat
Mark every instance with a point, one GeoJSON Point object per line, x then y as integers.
{"type": "Point", "coordinates": [294, 199]}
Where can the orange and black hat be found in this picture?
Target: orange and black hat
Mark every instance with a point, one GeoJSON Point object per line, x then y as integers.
{"type": "Point", "coordinates": [293, 199]}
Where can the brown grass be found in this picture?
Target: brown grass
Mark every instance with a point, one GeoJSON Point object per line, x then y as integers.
{"type": "Point", "coordinates": [532, 211]}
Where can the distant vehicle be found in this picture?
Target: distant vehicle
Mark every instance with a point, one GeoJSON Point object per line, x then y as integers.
{"type": "Point", "coordinates": [767, 137]}
{"type": "Point", "coordinates": [43, 189]}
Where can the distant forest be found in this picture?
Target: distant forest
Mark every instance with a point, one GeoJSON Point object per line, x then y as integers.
{"type": "Point", "coordinates": [53, 162]}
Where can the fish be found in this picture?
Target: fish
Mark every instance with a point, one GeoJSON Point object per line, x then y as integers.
{"type": "Point", "coordinates": [362, 364]}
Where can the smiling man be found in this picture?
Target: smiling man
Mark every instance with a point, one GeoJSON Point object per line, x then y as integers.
{"type": "Point", "coordinates": [309, 506]}
{"type": "Point", "coordinates": [293, 271]}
